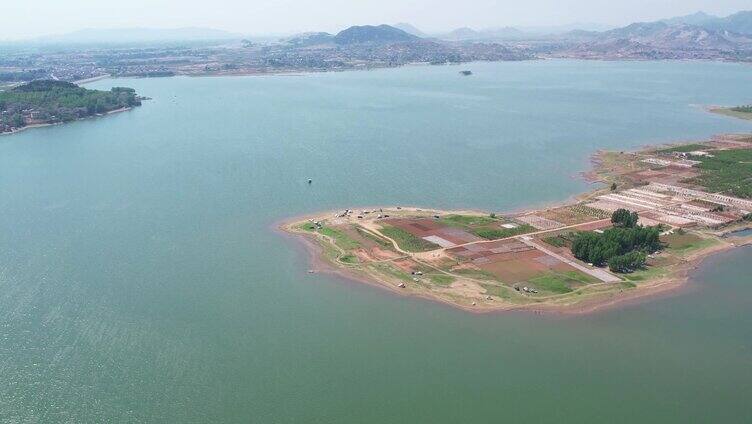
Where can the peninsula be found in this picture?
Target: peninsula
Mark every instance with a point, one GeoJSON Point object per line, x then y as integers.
{"type": "Point", "coordinates": [47, 102]}
{"type": "Point", "coordinates": [741, 112]}
{"type": "Point", "coordinates": [659, 212]}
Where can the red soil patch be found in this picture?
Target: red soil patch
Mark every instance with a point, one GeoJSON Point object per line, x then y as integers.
{"type": "Point", "coordinates": [381, 254]}
{"type": "Point", "coordinates": [425, 227]}
{"type": "Point", "coordinates": [594, 226]}
{"type": "Point", "coordinates": [406, 265]}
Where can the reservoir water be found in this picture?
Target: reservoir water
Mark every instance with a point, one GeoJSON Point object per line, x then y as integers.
{"type": "Point", "coordinates": [141, 279]}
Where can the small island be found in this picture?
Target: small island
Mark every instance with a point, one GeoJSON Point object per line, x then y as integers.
{"type": "Point", "coordinates": [659, 212]}
{"type": "Point", "coordinates": [48, 102]}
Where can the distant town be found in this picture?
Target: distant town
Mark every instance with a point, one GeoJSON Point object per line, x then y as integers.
{"type": "Point", "coordinates": [697, 36]}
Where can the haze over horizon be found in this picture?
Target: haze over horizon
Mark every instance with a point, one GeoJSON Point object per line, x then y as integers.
{"type": "Point", "coordinates": [274, 17]}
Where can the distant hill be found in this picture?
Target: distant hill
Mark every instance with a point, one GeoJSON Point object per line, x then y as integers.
{"type": "Point", "coordinates": [410, 29]}
{"type": "Point", "coordinates": [661, 34]}
{"type": "Point", "coordinates": [139, 35]}
{"type": "Point", "coordinates": [667, 39]}
{"type": "Point", "coordinates": [461, 34]}
{"type": "Point", "coordinates": [561, 29]}
{"type": "Point", "coordinates": [369, 34]}
{"type": "Point", "coordinates": [310, 39]}
{"type": "Point", "coordinates": [740, 22]}
{"type": "Point", "coordinates": [696, 37]}
{"type": "Point", "coordinates": [503, 33]}
{"type": "Point", "coordinates": [697, 18]}
{"type": "Point", "coordinates": [690, 31]}
{"type": "Point", "coordinates": [468, 34]}
{"type": "Point", "coordinates": [635, 30]}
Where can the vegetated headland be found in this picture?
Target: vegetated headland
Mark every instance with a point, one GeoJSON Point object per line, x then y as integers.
{"type": "Point", "coordinates": [660, 212]}
{"type": "Point", "coordinates": [742, 112]}
{"type": "Point", "coordinates": [48, 102]}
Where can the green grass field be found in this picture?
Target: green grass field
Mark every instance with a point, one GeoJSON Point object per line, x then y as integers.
{"type": "Point", "coordinates": [560, 282]}
{"type": "Point", "coordinates": [478, 274]}
{"type": "Point", "coordinates": [340, 239]}
{"type": "Point", "coordinates": [498, 291]}
{"type": "Point", "coordinates": [407, 241]}
{"type": "Point", "coordinates": [468, 220]}
{"type": "Point", "coordinates": [499, 233]}
{"type": "Point", "coordinates": [685, 243]}
{"type": "Point", "coordinates": [391, 270]}
{"type": "Point", "coordinates": [683, 148]}
{"type": "Point", "coordinates": [649, 273]}
{"type": "Point", "coordinates": [441, 279]}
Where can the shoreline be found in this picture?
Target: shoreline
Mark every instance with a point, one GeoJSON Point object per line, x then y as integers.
{"type": "Point", "coordinates": [659, 288]}
{"type": "Point", "coordinates": [675, 279]}
{"type": "Point", "coordinates": [52, 124]}
{"type": "Point", "coordinates": [728, 111]}
{"type": "Point", "coordinates": [305, 72]}
{"type": "Point", "coordinates": [92, 79]}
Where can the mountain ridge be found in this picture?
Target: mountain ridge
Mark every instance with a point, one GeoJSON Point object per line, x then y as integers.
{"type": "Point", "coordinates": [372, 34]}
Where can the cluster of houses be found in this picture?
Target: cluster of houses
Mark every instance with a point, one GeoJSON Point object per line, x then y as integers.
{"type": "Point", "coordinates": [9, 121]}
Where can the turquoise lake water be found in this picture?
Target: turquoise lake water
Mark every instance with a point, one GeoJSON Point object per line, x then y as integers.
{"type": "Point", "coordinates": [141, 279]}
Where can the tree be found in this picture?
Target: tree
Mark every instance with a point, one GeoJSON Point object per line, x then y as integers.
{"type": "Point", "coordinates": [613, 186]}
{"type": "Point", "coordinates": [599, 249]}
{"type": "Point", "coordinates": [624, 218]}
{"type": "Point", "coordinates": [627, 262]}
{"type": "Point", "coordinates": [17, 120]}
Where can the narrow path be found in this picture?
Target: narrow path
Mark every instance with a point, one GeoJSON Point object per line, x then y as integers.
{"type": "Point", "coordinates": [598, 273]}
{"type": "Point", "coordinates": [535, 233]}
{"type": "Point", "coordinates": [371, 229]}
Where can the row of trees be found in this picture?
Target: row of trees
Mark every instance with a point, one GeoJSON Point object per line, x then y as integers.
{"type": "Point", "coordinates": [745, 109]}
{"type": "Point", "coordinates": [623, 248]}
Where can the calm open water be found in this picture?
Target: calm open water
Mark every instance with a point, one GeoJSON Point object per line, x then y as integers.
{"type": "Point", "coordinates": [141, 279]}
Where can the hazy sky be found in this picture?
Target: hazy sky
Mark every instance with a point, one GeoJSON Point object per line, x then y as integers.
{"type": "Point", "coordinates": [28, 18]}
